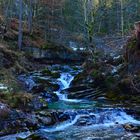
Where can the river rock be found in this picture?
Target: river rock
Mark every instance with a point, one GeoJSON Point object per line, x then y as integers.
{"type": "Point", "coordinates": [37, 88]}
{"type": "Point", "coordinates": [50, 97]}
{"type": "Point", "coordinates": [17, 121]}
{"type": "Point", "coordinates": [53, 74]}
{"type": "Point", "coordinates": [56, 54]}
{"type": "Point", "coordinates": [64, 117]}
{"type": "Point", "coordinates": [47, 84]}
{"type": "Point", "coordinates": [53, 117]}
{"type": "Point", "coordinates": [85, 120]}
{"type": "Point", "coordinates": [47, 120]}
{"type": "Point", "coordinates": [4, 111]}
{"type": "Point", "coordinates": [131, 128]}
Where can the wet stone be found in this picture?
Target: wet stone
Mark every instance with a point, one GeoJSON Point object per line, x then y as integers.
{"type": "Point", "coordinates": [85, 120]}
{"type": "Point", "coordinates": [46, 120]}
{"type": "Point", "coordinates": [131, 128]}
{"type": "Point", "coordinates": [64, 117]}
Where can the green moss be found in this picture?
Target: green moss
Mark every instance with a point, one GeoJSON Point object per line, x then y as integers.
{"type": "Point", "coordinates": [47, 84]}
{"type": "Point", "coordinates": [16, 100]}
{"type": "Point", "coordinates": [110, 80]}
{"type": "Point", "coordinates": [75, 68]}
{"type": "Point", "coordinates": [43, 101]}
{"type": "Point", "coordinates": [132, 44]}
{"type": "Point", "coordinates": [53, 74]}
{"type": "Point", "coordinates": [111, 95]}
{"type": "Point", "coordinates": [32, 36]}
{"type": "Point", "coordinates": [45, 47]}
{"type": "Point", "coordinates": [46, 71]}
{"type": "Point", "coordinates": [95, 73]}
{"type": "Point", "coordinates": [78, 78]}
{"type": "Point", "coordinates": [48, 45]}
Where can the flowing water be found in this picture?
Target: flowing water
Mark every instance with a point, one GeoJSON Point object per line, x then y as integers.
{"type": "Point", "coordinates": [88, 120]}
{"type": "Point", "coordinates": [64, 102]}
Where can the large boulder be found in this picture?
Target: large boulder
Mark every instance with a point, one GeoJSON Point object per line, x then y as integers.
{"type": "Point", "coordinates": [56, 53]}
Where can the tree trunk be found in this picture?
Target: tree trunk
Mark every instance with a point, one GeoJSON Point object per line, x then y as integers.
{"type": "Point", "coordinates": [20, 25]}
{"type": "Point", "coordinates": [30, 17]}
{"type": "Point", "coordinates": [137, 33]}
{"type": "Point", "coordinates": [122, 19]}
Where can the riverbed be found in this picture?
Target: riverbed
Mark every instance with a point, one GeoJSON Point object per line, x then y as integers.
{"type": "Point", "coordinates": [86, 119]}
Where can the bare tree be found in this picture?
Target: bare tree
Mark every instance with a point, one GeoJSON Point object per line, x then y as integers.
{"type": "Point", "coordinates": [30, 15]}
{"type": "Point", "coordinates": [122, 19]}
{"type": "Point", "coordinates": [20, 24]}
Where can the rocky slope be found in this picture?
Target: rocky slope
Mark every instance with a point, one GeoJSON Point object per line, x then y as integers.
{"type": "Point", "coordinates": [113, 78]}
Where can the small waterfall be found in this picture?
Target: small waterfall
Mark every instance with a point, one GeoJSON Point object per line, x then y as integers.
{"type": "Point", "coordinates": [64, 82]}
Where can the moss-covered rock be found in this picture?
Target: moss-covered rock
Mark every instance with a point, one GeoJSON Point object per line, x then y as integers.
{"type": "Point", "coordinates": [53, 74]}
{"type": "Point", "coordinates": [17, 100]}
{"type": "Point", "coordinates": [44, 84]}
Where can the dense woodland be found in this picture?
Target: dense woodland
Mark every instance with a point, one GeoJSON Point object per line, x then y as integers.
{"type": "Point", "coordinates": [99, 17]}
{"type": "Point", "coordinates": [69, 70]}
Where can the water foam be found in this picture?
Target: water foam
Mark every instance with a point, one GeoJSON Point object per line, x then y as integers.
{"type": "Point", "coordinates": [64, 82]}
